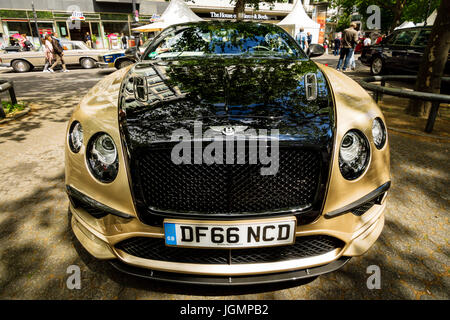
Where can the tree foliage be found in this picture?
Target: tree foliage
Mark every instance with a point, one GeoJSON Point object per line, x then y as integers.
{"type": "Point", "coordinates": [393, 12]}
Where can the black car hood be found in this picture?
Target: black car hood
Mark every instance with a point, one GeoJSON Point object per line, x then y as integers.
{"type": "Point", "coordinates": [160, 96]}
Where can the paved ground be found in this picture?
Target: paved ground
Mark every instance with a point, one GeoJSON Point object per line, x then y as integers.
{"type": "Point", "coordinates": [37, 245]}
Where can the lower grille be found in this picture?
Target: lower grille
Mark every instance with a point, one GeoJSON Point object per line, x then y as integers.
{"type": "Point", "coordinates": [227, 189]}
{"type": "Point", "coordinates": [155, 249]}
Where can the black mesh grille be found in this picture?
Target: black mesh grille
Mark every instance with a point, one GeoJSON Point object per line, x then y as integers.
{"type": "Point", "coordinates": [155, 249]}
{"type": "Point", "coordinates": [359, 211]}
{"type": "Point", "coordinates": [227, 188]}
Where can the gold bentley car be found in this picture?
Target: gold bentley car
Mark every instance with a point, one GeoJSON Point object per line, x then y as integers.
{"type": "Point", "coordinates": [75, 53]}
{"type": "Point", "coordinates": [226, 156]}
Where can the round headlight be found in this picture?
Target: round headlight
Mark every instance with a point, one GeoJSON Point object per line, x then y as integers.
{"type": "Point", "coordinates": [353, 155]}
{"type": "Point", "coordinates": [378, 133]}
{"type": "Point", "coordinates": [75, 136]}
{"type": "Point", "coordinates": [102, 157]}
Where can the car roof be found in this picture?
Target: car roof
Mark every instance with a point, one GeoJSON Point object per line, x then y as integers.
{"type": "Point", "coordinates": [414, 28]}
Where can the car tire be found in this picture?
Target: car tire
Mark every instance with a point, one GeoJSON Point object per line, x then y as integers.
{"type": "Point", "coordinates": [87, 63]}
{"type": "Point", "coordinates": [377, 66]}
{"type": "Point", "coordinates": [124, 63]}
{"type": "Point", "coordinates": [21, 66]}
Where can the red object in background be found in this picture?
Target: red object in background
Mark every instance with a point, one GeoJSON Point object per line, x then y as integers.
{"type": "Point", "coordinates": [45, 31]}
{"type": "Point", "coordinates": [360, 45]}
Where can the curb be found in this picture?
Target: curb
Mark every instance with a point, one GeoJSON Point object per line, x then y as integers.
{"type": "Point", "coordinates": [16, 115]}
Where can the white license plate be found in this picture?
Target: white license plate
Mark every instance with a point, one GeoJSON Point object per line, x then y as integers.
{"type": "Point", "coordinates": [226, 234]}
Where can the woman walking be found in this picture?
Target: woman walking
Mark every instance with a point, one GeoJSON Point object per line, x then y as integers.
{"type": "Point", "coordinates": [48, 51]}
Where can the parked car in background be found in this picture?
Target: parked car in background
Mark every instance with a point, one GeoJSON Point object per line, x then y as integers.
{"type": "Point", "coordinates": [75, 53]}
{"type": "Point", "coordinates": [120, 61]}
{"type": "Point", "coordinates": [108, 60]}
{"type": "Point", "coordinates": [400, 52]}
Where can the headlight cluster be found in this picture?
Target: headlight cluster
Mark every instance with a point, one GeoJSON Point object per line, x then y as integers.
{"type": "Point", "coordinates": [354, 154]}
{"type": "Point", "coordinates": [378, 133]}
{"type": "Point", "coordinates": [75, 136]}
{"type": "Point", "coordinates": [102, 157]}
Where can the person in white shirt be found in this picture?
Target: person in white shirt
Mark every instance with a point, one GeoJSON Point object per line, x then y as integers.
{"type": "Point", "coordinates": [367, 42]}
{"type": "Point", "coordinates": [48, 51]}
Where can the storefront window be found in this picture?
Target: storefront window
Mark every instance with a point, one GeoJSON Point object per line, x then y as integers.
{"type": "Point", "coordinates": [113, 32]}
{"type": "Point", "coordinates": [45, 27]}
{"type": "Point", "coordinates": [62, 29]}
{"type": "Point", "coordinates": [14, 27]}
{"type": "Point", "coordinates": [96, 38]}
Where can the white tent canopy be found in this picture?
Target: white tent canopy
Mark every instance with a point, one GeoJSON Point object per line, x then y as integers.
{"type": "Point", "coordinates": [176, 12]}
{"type": "Point", "coordinates": [298, 18]}
{"type": "Point", "coordinates": [430, 19]}
{"type": "Point", "coordinates": [406, 24]}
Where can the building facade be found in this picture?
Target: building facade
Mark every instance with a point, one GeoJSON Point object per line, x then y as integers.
{"type": "Point", "coordinates": [108, 20]}
{"type": "Point", "coordinates": [105, 21]}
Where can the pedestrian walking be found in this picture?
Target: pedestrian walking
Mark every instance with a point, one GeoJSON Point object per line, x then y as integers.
{"type": "Point", "coordinates": [302, 39]}
{"type": "Point", "coordinates": [349, 40]}
{"type": "Point", "coordinates": [88, 40]}
{"type": "Point", "coordinates": [48, 51]}
{"type": "Point", "coordinates": [309, 38]}
{"type": "Point", "coordinates": [58, 53]}
{"type": "Point", "coordinates": [124, 39]}
{"type": "Point", "coordinates": [352, 61]}
{"type": "Point", "coordinates": [325, 45]}
{"type": "Point", "coordinates": [337, 46]}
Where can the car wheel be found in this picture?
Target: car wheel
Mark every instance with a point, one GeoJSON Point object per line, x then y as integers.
{"type": "Point", "coordinates": [124, 63]}
{"type": "Point", "coordinates": [21, 66]}
{"type": "Point", "coordinates": [87, 63]}
{"type": "Point", "coordinates": [376, 67]}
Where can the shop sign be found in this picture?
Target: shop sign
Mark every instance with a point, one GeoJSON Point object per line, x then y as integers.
{"type": "Point", "coordinates": [76, 15]}
{"type": "Point", "coordinates": [155, 17]}
{"type": "Point", "coordinates": [223, 15]}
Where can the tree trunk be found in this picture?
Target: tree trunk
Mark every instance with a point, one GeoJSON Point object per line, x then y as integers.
{"type": "Point", "coordinates": [239, 9]}
{"type": "Point", "coordinates": [398, 11]}
{"type": "Point", "coordinates": [433, 61]}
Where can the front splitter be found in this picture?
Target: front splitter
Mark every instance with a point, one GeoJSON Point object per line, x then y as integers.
{"type": "Point", "coordinates": [230, 281]}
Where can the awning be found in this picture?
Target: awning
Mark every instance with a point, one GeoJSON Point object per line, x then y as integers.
{"type": "Point", "coordinates": [176, 12]}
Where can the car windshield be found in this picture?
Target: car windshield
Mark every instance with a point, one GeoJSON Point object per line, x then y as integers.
{"type": "Point", "coordinates": [241, 39]}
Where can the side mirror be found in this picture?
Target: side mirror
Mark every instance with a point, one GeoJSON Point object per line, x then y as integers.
{"type": "Point", "coordinates": [315, 50]}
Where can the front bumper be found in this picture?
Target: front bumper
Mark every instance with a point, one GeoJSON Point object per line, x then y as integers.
{"type": "Point", "coordinates": [103, 246]}
{"type": "Point", "coordinates": [105, 64]}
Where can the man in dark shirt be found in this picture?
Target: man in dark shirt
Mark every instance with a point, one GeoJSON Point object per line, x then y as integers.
{"type": "Point", "coordinates": [349, 40]}
{"type": "Point", "coordinates": [337, 46]}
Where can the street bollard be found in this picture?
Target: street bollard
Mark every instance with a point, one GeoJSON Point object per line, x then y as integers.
{"type": "Point", "coordinates": [4, 86]}
{"type": "Point", "coordinates": [432, 117]}
{"type": "Point", "coordinates": [2, 112]}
